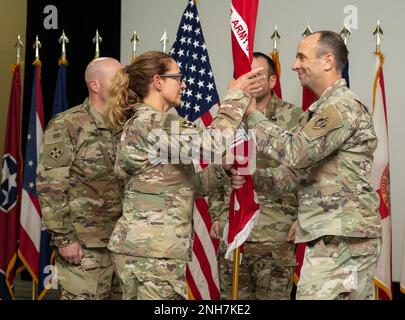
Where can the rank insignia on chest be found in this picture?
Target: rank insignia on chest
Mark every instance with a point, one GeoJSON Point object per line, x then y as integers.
{"type": "Point", "coordinates": [321, 123]}
{"type": "Point", "coordinates": [55, 154]}
{"type": "Point", "coordinates": [188, 124]}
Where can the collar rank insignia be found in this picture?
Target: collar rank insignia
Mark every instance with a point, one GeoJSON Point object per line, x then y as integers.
{"type": "Point", "coordinates": [55, 154]}
{"type": "Point", "coordinates": [321, 123]}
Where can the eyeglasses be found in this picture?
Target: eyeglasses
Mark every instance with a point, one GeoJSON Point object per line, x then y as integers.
{"type": "Point", "coordinates": [177, 76]}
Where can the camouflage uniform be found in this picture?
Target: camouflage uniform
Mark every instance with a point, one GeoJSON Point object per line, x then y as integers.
{"type": "Point", "coordinates": [81, 198]}
{"type": "Point", "coordinates": [153, 239]}
{"type": "Point", "coordinates": [330, 155]}
{"type": "Point", "coordinates": [267, 267]}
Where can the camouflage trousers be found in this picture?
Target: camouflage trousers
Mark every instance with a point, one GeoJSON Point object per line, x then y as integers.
{"type": "Point", "coordinates": [90, 280]}
{"type": "Point", "coordinates": [339, 268]}
{"type": "Point", "coordinates": [264, 273]}
{"type": "Point", "coordinates": [144, 278]}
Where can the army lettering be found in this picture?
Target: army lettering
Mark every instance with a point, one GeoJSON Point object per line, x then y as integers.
{"type": "Point", "coordinates": [240, 31]}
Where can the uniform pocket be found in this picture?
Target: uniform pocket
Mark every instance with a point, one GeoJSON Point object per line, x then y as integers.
{"type": "Point", "coordinates": [148, 206]}
{"type": "Point", "coordinates": [363, 247]}
{"type": "Point", "coordinates": [328, 246]}
{"type": "Point", "coordinates": [91, 260]}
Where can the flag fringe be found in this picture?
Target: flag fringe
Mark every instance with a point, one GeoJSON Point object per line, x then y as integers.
{"type": "Point", "coordinates": [45, 290]}
{"type": "Point", "coordinates": [276, 59]}
{"type": "Point", "coordinates": [402, 289]}
{"type": "Point", "coordinates": [32, 273]}
{"type": "Point", "coordinates": [241, 237]}
{"type": "Point", "coordinates": [377, 76]}
{"type": "Point", "coordinates": [63, 61]}
{"type": "Point", "coordinates": [26, 264]}
{"type": "Point", "coordinates": [8, 271]}
{"type": "Point", "coordinates": [190, 293]}
{"type": "Point", "coordinates": [37, 62]}
{"type": "Point", "coordinates": [381, 286]}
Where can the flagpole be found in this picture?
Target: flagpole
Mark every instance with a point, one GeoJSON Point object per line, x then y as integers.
{"type": "Point", "coordinates": [97, 40]}
{"type": "Point", "coordinates": [18, 45]}
{"type": "Point", "coordinates": [307, 31]}
{"type": "Point", "coordinates": [134, 40]}
{"type": "Point", "coordinates": [275, 37]}
{"type": "Point", "coordinates": [37, 62]}
{"type": "Point", "coordinates": [37, 45]}
{"type": "Point", "coordinates": [235, 275]}
{"type": "Point", "coordinates": [243, 15]}
{"type": "Point", "coordinates": [276, 59]}
{"type": "Point", "coordinates": [63, 40]}
{"type": "Point", "coordinates": [345, 33]}
{"type": "Point", "coordinates": [378, 33]}
{"type": "Point", "coordinates": [164, 39]}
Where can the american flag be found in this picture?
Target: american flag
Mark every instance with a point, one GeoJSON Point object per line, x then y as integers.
{"type": "Point", "coordinates": [30, 219]}
{"type": "Point", "coordinates": [199, 104]}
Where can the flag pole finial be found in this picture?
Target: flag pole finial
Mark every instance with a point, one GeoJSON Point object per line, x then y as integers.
{"type": "Point", "coordinates": [378, 32]}
{"type": "Point", "coordinates": [164, 39]}
{"type": "Point", "coordinates": [275, 37]}
{"type": "Point", "coordinates": [345, 33]}
{"type": "Point", "coordinates": [97, 40]}
{"type": "Point", "coordinates": [37, 45]}
{"type": "Point", "coordinates": [63, 40]}
{"type": "Point", "coordinates": [134, 40]}
{"type": "Point", "coordinates": [307, 31]}
{"type": "Point", "coordinates": [18, 45]}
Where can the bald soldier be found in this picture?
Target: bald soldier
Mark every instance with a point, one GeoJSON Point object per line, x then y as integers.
{"type": "Point", "coordinates": [330, 156]}
{"type": "Point", "coordinates": [81, 198]}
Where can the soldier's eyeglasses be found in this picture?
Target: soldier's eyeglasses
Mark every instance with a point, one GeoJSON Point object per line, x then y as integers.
{"type": "Point", "coordinates": [177, 76]}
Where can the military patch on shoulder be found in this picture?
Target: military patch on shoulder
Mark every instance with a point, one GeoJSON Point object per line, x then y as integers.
{"type": "Point", "coordinates": [321, 123]}
{"type": "Point", "coordinates": [55, 153]}
{"type": "Point", "coordinates": [53, 137]}
{"type": "Point", "coordinates": [329, 119]}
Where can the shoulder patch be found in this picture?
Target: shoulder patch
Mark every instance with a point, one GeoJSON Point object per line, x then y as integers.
{"type": "Point", "coordinates": [329, 119]}
{"type": "Point", "coordinates": [55, 136]}
{"type": "Point", "coordinates": [55, 153]}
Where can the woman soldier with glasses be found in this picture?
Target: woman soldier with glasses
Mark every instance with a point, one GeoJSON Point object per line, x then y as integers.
{"type": "Point", "coordinates": [152, 241]}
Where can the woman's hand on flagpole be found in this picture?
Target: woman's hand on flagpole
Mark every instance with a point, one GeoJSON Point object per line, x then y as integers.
{"type": "Point", "coordinates": [215, 229]}
{"type": "Point", "coordinates": [237, 180]}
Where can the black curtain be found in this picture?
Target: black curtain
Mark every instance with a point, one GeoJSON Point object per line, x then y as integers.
{"type": "Point", "coordinates": [79, 19]}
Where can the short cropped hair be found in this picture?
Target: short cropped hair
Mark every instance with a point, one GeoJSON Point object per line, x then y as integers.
{"type": "Point", "coordinates": [270, 62]}
{"type": "Point", "coordinates": [332, 42]}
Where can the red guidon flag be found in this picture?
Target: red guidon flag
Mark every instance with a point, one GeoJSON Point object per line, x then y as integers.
{"type": "Point", "coordinates": [244, 207]}
{"type": "Point", "coordinates": [308, 98]}
{"type": "Point", "coordinates": [380, 180]}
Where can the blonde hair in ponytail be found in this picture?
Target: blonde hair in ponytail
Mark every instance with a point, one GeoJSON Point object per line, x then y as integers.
{"type": "Point", "coordinates": [121, 100]}
{"type": "Point", "coordinates": [131, 85]}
